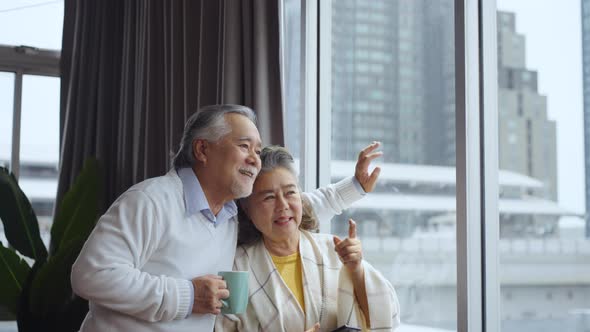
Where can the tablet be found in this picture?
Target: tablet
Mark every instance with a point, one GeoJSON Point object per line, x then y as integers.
{"type": "Point", "coordinates": [346, 328]}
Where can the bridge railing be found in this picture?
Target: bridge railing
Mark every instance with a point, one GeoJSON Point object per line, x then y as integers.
{"type": "Point", "coordinates": [539, 246]}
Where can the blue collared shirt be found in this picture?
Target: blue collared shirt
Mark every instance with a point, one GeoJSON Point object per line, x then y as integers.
{"type": "Point", "coordinates": [195, 200]}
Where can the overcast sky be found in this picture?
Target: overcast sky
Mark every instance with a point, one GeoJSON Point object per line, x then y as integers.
{"type": "Point", "coordinates": [35, 23]}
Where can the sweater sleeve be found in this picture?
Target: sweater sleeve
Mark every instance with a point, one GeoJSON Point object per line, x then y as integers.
{"type": "Point", "coordinates": [334, 198]}
{"type": "Point", "coordinates": [108, 269]}
{"type": "Point", "coordinates": [382, 299]}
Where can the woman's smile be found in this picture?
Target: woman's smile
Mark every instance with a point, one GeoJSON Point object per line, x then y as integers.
{"type": "Point", "coordinates": [283, 220]}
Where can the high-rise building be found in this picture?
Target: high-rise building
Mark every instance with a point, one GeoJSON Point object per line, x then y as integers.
{"type": "Point", "coordinates": [527, 139]}
{"type": "Point", "coordinates": [586, 80]}
{"type": "Point", "coordinates": [393, 80]}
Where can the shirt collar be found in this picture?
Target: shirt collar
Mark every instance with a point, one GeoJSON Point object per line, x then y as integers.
{"type": "Point", "coordinates": [195, 200]}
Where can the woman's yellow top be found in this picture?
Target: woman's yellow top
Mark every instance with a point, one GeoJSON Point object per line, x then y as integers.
{"type": "Point", "coordinates": [290, 269]}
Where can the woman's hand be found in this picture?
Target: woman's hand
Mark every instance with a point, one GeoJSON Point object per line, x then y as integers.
{"type": "Point", "coordinates": [351, 255]}
{"type": "Point", "coordinates": [361, 171]}
{"type": "Point", "coordinates": [350, 249]}
{"type": "Point", "coordinates": [315, 328]}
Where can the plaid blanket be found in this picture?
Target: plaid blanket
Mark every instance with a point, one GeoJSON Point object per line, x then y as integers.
{"type": "Point", "coordinates": [328, 291]}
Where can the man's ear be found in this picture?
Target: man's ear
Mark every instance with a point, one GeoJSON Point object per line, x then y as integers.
{"type": "Point", "coordinates": [200, 150]}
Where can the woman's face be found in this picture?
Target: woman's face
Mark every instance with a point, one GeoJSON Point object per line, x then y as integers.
{"type": "Point", "coordinates": [275, 205]}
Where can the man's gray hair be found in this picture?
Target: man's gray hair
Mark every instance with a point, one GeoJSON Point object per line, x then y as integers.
{"type": "Point", "coordinates": [207, 123]}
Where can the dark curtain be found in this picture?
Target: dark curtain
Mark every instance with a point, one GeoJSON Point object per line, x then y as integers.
{"type": "Point", "coordinates": [134, 70]}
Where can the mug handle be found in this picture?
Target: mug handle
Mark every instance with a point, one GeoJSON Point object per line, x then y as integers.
{"type": "Point", "coordinates": [224, 303]}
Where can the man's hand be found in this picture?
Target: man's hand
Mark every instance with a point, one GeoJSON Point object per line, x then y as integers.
{"type": "Point", "coordinates": [350, 249]}
{"type": "Point", "coordinates": [209, 290]}
{"type": "Point", "coordinates": [361, 171]}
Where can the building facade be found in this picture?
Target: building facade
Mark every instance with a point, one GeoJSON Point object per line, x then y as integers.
{"type": "Point", "coordinates": [527, 139]}
{"type": "Point", "coordinates": [393, 80]}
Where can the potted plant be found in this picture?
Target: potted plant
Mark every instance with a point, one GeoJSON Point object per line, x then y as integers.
{"type": "Point", "coordinates": [40, 296]}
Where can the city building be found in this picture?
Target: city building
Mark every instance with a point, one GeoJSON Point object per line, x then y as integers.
{"type": "Point", "coordinates": [527, 139]}
{"type": "Point", "coordinates": [393, 80]}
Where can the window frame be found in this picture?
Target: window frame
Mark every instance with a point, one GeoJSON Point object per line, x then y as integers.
{"type": "Point", "coordinates": [490, 174]}
{"type": "Point", "coordinates": [25, 60]}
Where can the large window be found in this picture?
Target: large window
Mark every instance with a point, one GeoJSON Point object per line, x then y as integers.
{"type": "Point", "coordinates": [479, 218]}
{"type": "Point", "coordinates": [392, 80]}
{"type": "Point", "coordinates": [29, 103]}
{"type": "Point", "coordinates": [421, 77]}
{"type": "Point", "coordinates": [29, 93]}
{"type": "Point", "coordinates": [385, 72]}
{"type": "Point", "coordinates": [544, 251]}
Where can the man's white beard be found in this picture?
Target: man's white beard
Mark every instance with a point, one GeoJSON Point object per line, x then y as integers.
{"type": "Point", "coordinates": [240, 190]}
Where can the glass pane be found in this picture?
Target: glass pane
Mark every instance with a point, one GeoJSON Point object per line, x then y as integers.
{"type": "Point", "coordinates": [292, 76]}
{"type": "Point", "coordinates": [39, 153]}
{"type": "Point", "coordinates": [8, 326]}
{"type": "Point", "coordinates": [37, 23]}
{"type": "Point", "coordinates": [393, 77]}
{"type": "Point", "coordinates": [544, 251]}
{"type": "Point", "coordinates": [6, 109]}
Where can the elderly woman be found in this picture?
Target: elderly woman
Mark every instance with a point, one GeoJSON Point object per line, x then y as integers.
{"type": "Point", "coordinates": [300, 280]}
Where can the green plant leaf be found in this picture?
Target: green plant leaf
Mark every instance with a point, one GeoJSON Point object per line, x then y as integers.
{"type": "Point", "coordinates": [13, 274]}
{"type": "Point", "coordinates": [78, 211]}
{"type": "Point", "coordinates": [73, 315]}
{"type": "Point", "coordinates": [20, 222]}
{"type": "Point", "coordinates": [25, 320]}
{"type": "Point", "coordinates": [51, 290]}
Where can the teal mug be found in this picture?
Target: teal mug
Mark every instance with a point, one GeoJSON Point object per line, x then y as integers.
{"type": "Point", "coordinates": [237, 284]}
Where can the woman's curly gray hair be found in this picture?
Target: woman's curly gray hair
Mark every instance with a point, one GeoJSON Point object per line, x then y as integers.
{"type": "Point", "coordinates": [273, 157]}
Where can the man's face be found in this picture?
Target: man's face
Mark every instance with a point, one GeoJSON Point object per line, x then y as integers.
{"type": "Point", "coordinates": [235, 159]}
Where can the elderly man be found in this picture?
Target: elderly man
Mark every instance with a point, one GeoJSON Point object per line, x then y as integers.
{"type": "Point", "coordinates": [151, 262]}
